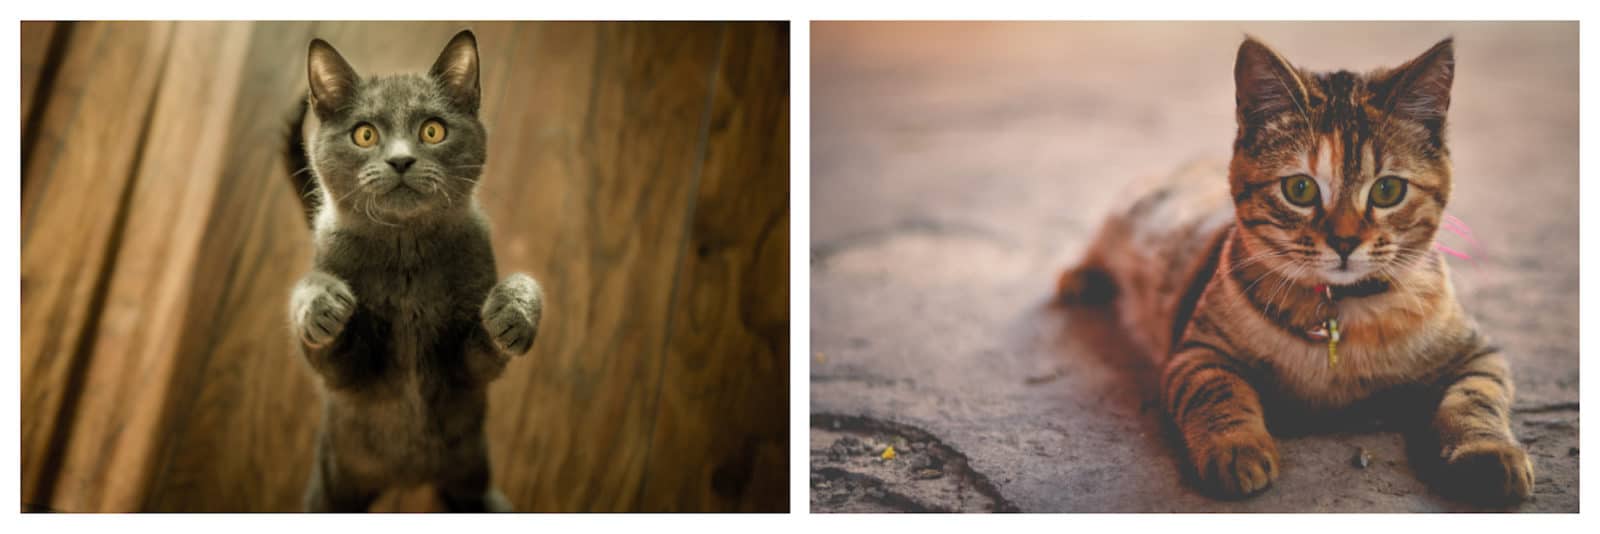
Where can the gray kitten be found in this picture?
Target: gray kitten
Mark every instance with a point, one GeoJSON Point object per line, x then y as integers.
{"type": "Point", "coordinates": [400, 314]}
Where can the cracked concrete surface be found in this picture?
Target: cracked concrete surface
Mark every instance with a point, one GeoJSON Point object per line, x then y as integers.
{"type": "Point", "coordinates": [956, 168]}
{"type": "Point", "coordinates": [860, 464]}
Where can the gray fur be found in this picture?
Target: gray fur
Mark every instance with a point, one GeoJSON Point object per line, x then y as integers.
{"type": "Point", "coordinates": [400, 315]}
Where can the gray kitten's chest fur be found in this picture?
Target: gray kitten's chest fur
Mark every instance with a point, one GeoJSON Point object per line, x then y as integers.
{"type": "Point", "coordinates": [420, 277]}
{"type": "Point", "coordinates": [419, 292]}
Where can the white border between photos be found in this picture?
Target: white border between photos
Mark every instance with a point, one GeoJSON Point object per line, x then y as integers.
{"type": "Point", "coordinates": [799, 266]}
{"type": "Point", "coordinates": [800, 13]}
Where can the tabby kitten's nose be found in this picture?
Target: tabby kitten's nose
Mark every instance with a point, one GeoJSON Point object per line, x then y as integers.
{"type": "Point", "coordinates": [1343, 245]}
{"type": "Point", "coordinates": [401, 163]}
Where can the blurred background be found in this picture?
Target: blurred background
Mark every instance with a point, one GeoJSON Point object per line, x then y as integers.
{"type": "Point", "coordinates": [639, 171]}
{"type": "Point", "coordinates": [957, 168]}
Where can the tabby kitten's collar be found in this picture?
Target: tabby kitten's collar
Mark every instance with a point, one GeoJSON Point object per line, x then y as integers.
{"type": "Point", "coordinates": [1329, 329]}
{"type": "Point", "coordinates": [1364, 288]}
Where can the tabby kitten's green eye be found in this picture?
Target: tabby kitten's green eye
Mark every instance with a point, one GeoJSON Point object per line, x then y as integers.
{"type": "Point", "coordinates": [1300, 190]}
{"type": "Point", "coordinates": [364, 135]}
{"type": "Point", "coordinates": [1387, 191]}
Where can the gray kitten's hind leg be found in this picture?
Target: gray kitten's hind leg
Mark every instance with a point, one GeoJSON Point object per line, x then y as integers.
{"type": "Point", "coordinates": [490, 500]}
{"type": "Point", "coordinates": [466, 487]}
{"type": "Point", "coordinates": [328, 491]}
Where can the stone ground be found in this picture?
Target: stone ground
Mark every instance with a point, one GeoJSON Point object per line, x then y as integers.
{"type": "Point", "coordinates": [956, 168]}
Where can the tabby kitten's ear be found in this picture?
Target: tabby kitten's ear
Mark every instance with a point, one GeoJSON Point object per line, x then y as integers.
{"type": "Point", "coordinates": [457, 70]}
{"type": "Point", "coordinates": [1420, 89]}
{"type": "Point", "coordinates": [333, 82]}
{"type": "Point", "coordinates": [1265, 84]}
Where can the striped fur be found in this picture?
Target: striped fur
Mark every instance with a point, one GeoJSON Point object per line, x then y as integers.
{"type": "Point", "coordinates": [1220, 276]}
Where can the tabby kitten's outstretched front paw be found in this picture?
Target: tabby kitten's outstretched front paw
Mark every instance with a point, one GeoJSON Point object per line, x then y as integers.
{"type": "Point", "coordinates": [511, 313]}
{"type": "Point", "coordinates": [1491, 471]}
{"type": "Point", "coordinates": [319, 308]}
{"type": "Point", "coordinates": [1235, 464]}
{"type": "Point", "coordinates": [1085, 285]}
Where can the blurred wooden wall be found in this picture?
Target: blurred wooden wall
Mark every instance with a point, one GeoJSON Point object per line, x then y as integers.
{"type": "Point", "coordinates": [639, 170]}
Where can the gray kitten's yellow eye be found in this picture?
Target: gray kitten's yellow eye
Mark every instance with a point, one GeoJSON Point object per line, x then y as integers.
{"type": "Point", "coordinates": [432, 132]}
{"type": "Point", "coordinates": [1300, 190]}
{"type": "Point", "coordinates": [1387, 191]}
{"type": "Point", "coordinates": [364, 135]}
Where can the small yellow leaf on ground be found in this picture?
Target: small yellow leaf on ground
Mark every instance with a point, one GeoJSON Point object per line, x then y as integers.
{"type": "Point", "coordinates": [888, 454]}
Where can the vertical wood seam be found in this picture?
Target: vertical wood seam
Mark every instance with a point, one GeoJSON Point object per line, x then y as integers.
{"type": "Point", "coordinates": [583, 133]}
{"type": "Point", "coordinates": [703, 145]}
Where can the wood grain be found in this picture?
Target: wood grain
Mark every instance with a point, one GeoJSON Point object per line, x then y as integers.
{"type": "Point", "coordinates": [726, 371]}
{"type": "Point", "coordinates": [40, 56]}
{"type": "Point", "coordinates": [106, 466]}
{"type": "Point", "coordinates": [589, 186]}
{"type": "Point", "coordinates": [604, 140]}
{"type": "Point", "coordinates": [71, 215]}
{"type": "Point", "coordinates": [219, 424]}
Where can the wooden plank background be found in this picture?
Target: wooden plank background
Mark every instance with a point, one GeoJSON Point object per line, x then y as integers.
{"type": "Point", "coordinates": [639, 170]}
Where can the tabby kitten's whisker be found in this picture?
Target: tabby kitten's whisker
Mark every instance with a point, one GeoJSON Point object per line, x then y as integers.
{"type": "Point", "coordinates": [1252, 260]}
{"type": "Point", "coordinates": [1289, 283]}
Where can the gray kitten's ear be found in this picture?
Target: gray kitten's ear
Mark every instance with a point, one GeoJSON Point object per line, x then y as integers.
{"type": "Point", "coordinates": [457, 70]}
{"type": "Point", "coordinates": [1265, 84]}
{"type": "Point", "coordinates": [1420, 89]}
{"type": "Point", "coordinates": [333, 82]}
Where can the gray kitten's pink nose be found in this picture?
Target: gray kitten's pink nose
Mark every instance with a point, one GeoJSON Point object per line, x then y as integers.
{"type": "Point", "coordinates": [401, 163]}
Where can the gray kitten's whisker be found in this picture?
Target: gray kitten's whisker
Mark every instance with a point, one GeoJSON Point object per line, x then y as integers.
{"type": "Point", "coordinates": [347, 195]}
{"type": "Point", "coordinates": [368, 210]}
{"type": "Point", "coordinates": [439, 188]}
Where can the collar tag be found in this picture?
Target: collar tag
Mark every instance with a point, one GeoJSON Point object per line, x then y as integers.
{"type": "Point", "coordinates": [1333, 343]}
{"type": "Point", "coordinates": [1329, 329]}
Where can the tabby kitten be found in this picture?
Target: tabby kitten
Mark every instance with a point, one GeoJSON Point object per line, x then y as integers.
{"type": "Point", "coordinates": [1310, 284]}
{"type": "Point", "coordinates": [401, 315]}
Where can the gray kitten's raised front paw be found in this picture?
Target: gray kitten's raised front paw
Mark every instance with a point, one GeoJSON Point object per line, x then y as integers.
{"type": "Point", "coordinates": [319, 308]}
{"type": "Point", "coordinates": [511, 313]}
